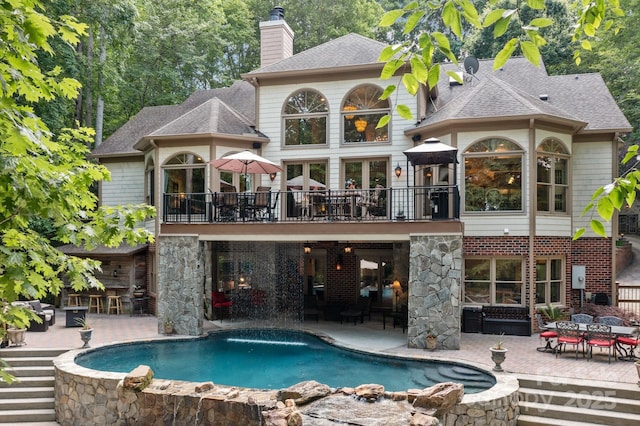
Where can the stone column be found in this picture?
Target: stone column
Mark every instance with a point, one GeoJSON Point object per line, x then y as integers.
{"type": "Point", "coordinates": [435, 290]}
{"type": "Point", "coordinates": [181, 272]}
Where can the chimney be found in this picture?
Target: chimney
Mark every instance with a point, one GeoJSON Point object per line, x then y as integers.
{"type": "Point", "coordinates": [276, 38]}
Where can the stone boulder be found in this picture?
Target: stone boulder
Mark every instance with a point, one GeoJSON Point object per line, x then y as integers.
{"type": "Point", "coordinates": [440, 397]}
{"type": "Point", "coordinates": [304, 392]}
{"type": "Point", "coordinates": [369, 392]}
{"type": "Point", "coordinates": [138, 379]}
{"type": "Point", "coordinates": [285, 414]}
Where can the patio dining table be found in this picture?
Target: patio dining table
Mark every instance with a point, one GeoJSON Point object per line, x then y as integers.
{"type": "Point", "coordinates": [616, 330]}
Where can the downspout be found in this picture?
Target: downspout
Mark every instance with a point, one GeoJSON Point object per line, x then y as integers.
{"type": "Point", "coordinates": [533, 218]}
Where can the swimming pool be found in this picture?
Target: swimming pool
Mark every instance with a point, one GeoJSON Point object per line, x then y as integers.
{"type": "Point", "coordinates": [275, 359]}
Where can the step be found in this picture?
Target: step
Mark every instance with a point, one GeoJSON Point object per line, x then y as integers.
{"type": "Point", "coordinates": [21, 416]}
{"type": "Point", "coordinates": [528, 420]}
{"type": "Point", "coordinates": [596, 400]}
{"type": "Point", "coordinates": [31, 371]}
{"type": "Point", "coordinates": [24, 351]}
{"type": "Point", "coordinates": [24, 382]}
{"type": "Point", "coordinates": [29, 361]}
{"type": "Point", "coordinates": [593, 387]}
{"type": "Point", "coordinates": [26, 403]}
{"type": "Point", "coordinates": [585, 415]}
{"type": "Point", "coordinates": [28, 392]}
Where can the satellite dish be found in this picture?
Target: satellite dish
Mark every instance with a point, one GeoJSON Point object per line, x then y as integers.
{"type": "Point", "coordinates": [471, 65]}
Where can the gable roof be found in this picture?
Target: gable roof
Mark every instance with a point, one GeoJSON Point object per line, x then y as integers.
{"type": "Point", "coordinates": [235, 104]}
{"type": "Point", "coordinates": [346, 51]}
{"type": "Point", "coordinates": [582, 101]}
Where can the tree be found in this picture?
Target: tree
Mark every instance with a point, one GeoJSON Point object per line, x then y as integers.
{"type": "Point", "coordinates": [414, 58]}
{"type": "Point", "coordinates": [45, 176]}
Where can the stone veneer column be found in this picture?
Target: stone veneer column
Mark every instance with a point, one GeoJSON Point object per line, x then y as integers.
{"type": "Point", "coordinates": [435, 280]}
{"type": "Point", "coordinates": [181, 271]}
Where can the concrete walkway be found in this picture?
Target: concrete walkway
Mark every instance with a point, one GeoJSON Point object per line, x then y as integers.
{"type": "Point", "coordinates": [522, 356]}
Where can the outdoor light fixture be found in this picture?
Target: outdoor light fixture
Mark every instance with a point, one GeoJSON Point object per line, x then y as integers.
{"type": "Point", "coordinates": [398, 170]}
{"type": "Point", "coordinates": [307, 249]}
{"type": "Point", "coordinates": [272, 176]}
{"type": "Point", "coordinates": [348, 249]}
{"type": "Point", "coordinates": [115, 273]}
{"type": "Point", "coordinates": [339, 263]}
{"type": "Point", "coordinates": [396, 286]}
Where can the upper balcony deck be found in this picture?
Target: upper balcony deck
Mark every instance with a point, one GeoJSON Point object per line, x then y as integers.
{"type": "Point", "coordinates": [320, 206]}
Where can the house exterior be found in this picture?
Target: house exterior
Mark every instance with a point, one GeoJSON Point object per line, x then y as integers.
{"type": "Point", "coordinates": [483, 215]}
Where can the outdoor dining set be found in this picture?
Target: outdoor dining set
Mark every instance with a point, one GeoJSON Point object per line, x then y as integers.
{"type": "Point", "coordinates": [583, 333]}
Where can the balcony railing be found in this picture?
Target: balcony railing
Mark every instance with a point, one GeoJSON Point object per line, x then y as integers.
{"type": "Point", "coordinates": [380, 204]}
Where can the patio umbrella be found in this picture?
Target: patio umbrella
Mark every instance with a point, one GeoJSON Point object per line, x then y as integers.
{"type": "Point", "coordinates": [298, 181]}
{"type": "Point", "coordinates": [246, 162]}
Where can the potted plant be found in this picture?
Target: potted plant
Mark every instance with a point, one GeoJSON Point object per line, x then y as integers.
{"type": "Point", "coordinates": [16, 336]}
{"type": "Point", "coordinates": [551, 313]}
{"type": "Point", "coordinates": [167, 324]}
{"type": "Point", "coordinates": [138, 291]}
{"type": "Point", "coordinates": [85, 330]}
{"type": "Point", "coordinates": [498, 352]}
{"type": "Point", "coordinates": [432, 339]}
{"type": "Point", "coordinates": [400, 215]}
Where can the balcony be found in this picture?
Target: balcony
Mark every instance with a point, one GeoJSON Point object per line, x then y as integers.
{"type": "Point", "coordinates": [426, 203]}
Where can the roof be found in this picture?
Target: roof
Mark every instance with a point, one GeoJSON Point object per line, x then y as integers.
{"type": "Point", "coordinates": [346, 51]}
{"type": "Point", "coordinates": [235, 104]}
{"type": "Point", "coordinates": [122, 250]}
{"type": "Point", "coordinates": [582, 101]}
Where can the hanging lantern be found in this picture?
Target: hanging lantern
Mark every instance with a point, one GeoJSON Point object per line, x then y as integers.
{"type": "Point", "coordinates": [349, 108]}
{"type": "Point", "coordinates": [361, 124]}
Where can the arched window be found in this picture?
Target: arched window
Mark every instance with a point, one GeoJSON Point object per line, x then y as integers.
{"type": "Point", "coordinates": [184, 174]}
{"type": "Point", "coordinates": [361, 111]}
{"type": "Point", "coordinates": [305, 118]}
{"type": "Point", "coordinates": [493, 176]}
{"type": "Point", "coordinates": [552, 173]}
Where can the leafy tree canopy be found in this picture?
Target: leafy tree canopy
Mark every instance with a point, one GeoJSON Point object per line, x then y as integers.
{"type": "Point", "coordinates": [43, 176]}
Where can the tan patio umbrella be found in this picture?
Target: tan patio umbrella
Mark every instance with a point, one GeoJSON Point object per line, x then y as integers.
{"type": "Point", "coordinates": [246, 162]}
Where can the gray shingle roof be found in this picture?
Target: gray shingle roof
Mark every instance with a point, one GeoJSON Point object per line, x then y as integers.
{"type": "Point", "coordinates": [236, 116]}
{"type": "Point", "coordinates": [348, 50]}
{"type": "Point", "coordinates": [515, 89]}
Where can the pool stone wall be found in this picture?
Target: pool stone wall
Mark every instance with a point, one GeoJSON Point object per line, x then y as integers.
{"type": "Point", "coordinates": [84, 396]}
{"type": "Point", "coordinates": [435, 280]}
{"type": "Point", "coordinates": [180, 280]}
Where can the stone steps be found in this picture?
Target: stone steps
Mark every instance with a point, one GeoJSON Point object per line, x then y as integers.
{"type": "Point", "coordinates": [573, 402]}
{"type": "Point", "coordinates": [29, 401]}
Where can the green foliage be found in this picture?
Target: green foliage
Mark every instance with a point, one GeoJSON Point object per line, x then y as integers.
{"type": "Point", "coordinates": [551, 313]}
{"type": "Point", "coordinates": [45, 177]}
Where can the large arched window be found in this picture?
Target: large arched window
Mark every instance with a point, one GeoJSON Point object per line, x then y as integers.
{"type": "Point", "coordinates": [184, 174]}
{"type": "Point", "coordinates": [361, 111]}
{"type": "Point", "coordinates": [552, 177]}
{"type": "Point", "coordinates": [305, 118]}
{"type": "Point", "coordinates": [493, 176]}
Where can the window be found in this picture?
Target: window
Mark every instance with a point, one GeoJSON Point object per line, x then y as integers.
{"type": "Point", "coordinates": [490, 281]}
{"type": "Point", "coordinates": [150, 183]}
{"type": "Point", "coordinates": [549, 281]}
{"type": "Point", "coordinates": [305, 119]}
{"type": "Point", "coordinates": [361, 111]}
{"type": "Point", "coordinates": [552, 177]}
{"type": "Point", "coordinates": [493, 176]}
{"type": "Point", "coordinates": [184, 173]}
{"type": "Point", "coordinates": [366, 174]}
{"type": "Point", "coordinates": [306, 183]}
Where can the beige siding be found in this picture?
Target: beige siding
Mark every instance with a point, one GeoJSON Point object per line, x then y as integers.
{"type": "Point", "coordinates": [494, 225]}
{"type": "Point", "coordinates": [592, 168]}
{"type": "Point", "coordinates": [126, 185]}
{"type": "Point", "coordinates": [553, 226]}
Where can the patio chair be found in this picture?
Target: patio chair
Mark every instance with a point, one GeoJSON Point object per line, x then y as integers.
{"type": "Point", "coordinates": [610, 320]}
{"type": "Point", "coordinates": [545, 334]}
{"type": "Point", "coordinates": [600, 336]}
{"type": "Point", "coordinates": [261, 204]}
{"type": "Point", "coordinates": [569, 334]}
{"type": "Point", "coordinates": [582, 318]}
{"type": "Point", "coordinates": [627, 346]}
{"type": "Point", "coordinates": [220, 303]}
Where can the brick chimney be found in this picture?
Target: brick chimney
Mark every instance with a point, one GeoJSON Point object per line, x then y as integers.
{"type": "Point", "coordinates": [276, 38]}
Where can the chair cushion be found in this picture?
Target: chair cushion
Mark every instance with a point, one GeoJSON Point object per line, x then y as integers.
{"type": "Point", "coordinates": [628, 341]}
{"type": "Point", "coordinates": [35, 304]}
{"type": "Point", "coordinates": [601, 342]}
{"type": "Point", "coordinates": [570, 340]}
{"type": "Point", "coordinates": [548, 334]}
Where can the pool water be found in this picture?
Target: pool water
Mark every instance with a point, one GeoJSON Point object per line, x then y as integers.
{"type": "Point", "coordinates": [275, 359]}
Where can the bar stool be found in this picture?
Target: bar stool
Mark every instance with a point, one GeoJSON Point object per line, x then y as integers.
{"type": "Point", "coordinates": [95, 302]}
{"type": "Point", "coordinates": [114, 302]}
{"type": "Point", "coordinates": [74, 299]}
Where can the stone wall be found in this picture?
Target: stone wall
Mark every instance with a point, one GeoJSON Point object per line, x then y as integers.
{"type": "Point", "coordinates": [435, 279]}
{"type": "Point", "coordinates": [180, 283]}
{"type": "Point", "coordinates": [85, 396]}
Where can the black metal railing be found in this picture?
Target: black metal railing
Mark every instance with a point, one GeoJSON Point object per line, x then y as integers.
{"type": "Point", "coordinates": [379, 204]}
